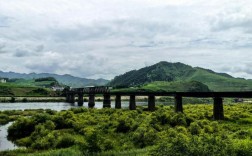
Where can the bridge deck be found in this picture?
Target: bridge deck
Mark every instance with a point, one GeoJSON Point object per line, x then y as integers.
{"type": "Point", "coordinates": [189, 94]}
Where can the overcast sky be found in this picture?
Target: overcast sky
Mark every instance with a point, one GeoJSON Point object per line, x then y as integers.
{"type": "Point", "coordinates": [104, 38]}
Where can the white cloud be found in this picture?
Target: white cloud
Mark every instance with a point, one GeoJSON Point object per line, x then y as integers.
{"type": "Point", "coordinates": [98, 38]}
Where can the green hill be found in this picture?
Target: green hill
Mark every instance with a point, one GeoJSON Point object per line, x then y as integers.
{"type": "Point", "coordinates": [23, 87]}
{"type": "Point", "coordinates": [191, 86]}
{"type": "Point", "coordinates": [179, 72]}
{"type": "Point", "coordinates": [164, 86]}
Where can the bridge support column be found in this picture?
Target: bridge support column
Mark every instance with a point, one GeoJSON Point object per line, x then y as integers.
{"type": "Point", "coordinates": [132, 103]}
{"type": "Point", "coordinates": [151, 103]}
{"type": "Point", "coordinates": [218, 112]}
{"type": "Point", "coordinates": [91, 101]}
{"type": "Point", "coordinates": [106, 101]}
{"type": "Point", "coordinates": [72, 98]}
{"type": "Point", "coordinates": [118, 104]}
{"type": "Point", "coordinates": [67, 98]}
{"type": "Point", "coordinates": [80, 99]}
{"type": "Point", "coordinates": [178, 104]}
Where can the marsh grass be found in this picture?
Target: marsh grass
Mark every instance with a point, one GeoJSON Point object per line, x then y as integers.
{"type": "Point", "coordinates": [82, 131]}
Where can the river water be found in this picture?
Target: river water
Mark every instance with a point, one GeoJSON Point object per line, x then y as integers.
{"type": "Point", "coordinates": [58, 106]}
{"type": "Point", "coordinates": [4, 143]}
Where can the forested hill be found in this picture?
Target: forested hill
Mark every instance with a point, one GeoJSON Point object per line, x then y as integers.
{"type": "Point", "coordinates": [63, 79]}
{"type": "Point", "coordinates": [175, 72]}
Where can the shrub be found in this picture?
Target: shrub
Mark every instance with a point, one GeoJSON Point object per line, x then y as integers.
{"type": "Point", "coordinates": [178, 119]}
{"type": "Point", "coordinates": [205, 145]}
{"type": "Point", "coordinates": [144, 136]}
{"type": "Point", "coordinates": [24, 100]}
{"type": "Point", "coordinates": [4, 119]}
{"type": "Point", "coordinates": [243, 147]}
{"type": "Point", "coordinates": [21, 128]}
{"type": "Point", "coordinates": [177, 146]}
{"type": "Point", "coordinates": [43, 143]}
{"type": "Point", "coordinates": [66, 140]}
{"type": "Point", "coordinates": [242, 134]}
{"type": "Point", "coordinates": [12, 99]}
{"type": "Point", "coordinates": [195, 129]}
{"type": "Point", "coordinates": [93, 139]}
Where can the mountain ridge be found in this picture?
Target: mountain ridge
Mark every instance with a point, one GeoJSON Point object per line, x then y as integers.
{"type": "Point", "coordinates": [66, 79]}
{"type": "Point", "coordinates": [171, 72]}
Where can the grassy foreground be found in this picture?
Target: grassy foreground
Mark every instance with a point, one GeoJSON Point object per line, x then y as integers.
{"type": "Point", "coordinates": [82, 131]}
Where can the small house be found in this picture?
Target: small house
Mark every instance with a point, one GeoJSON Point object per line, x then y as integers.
{"type": "Point", "coordinates": [3, 81]}
{"type": "Point", "coordinates": [57, 88]}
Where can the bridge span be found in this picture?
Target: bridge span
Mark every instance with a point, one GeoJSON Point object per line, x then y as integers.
{"type": "Point", "coordinates": [218, 112]}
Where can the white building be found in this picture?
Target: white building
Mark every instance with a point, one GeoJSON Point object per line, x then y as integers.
{"type": "Point", "coordinates": [57, 88]}
{"type": "Point", "coordinates": [2, 81]}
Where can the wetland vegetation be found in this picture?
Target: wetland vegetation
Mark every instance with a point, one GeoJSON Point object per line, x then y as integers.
{"type": "Point", "coordinates": [82, 131]}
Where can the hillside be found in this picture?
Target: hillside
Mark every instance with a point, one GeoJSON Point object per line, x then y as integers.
{"type": "Point", "coordinates": [171, 72]}
{"type": "Point", "coordinates": [23, 87]}
{"type": "Point", "coordinates": [19, 90]}
{"type": "Point", "coordinates": [66, 79]}
{"type": "Point", "coordinates": [176, 86]}
{"type": "Point", "coordinates": [164, 86]}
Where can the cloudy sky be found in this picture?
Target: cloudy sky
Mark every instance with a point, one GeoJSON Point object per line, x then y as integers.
{"type": "Point", "coordinates": [104, 38]}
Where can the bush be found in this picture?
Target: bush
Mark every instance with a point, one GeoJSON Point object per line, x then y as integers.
{"type": "Point", "coordinates": [45, 142]}
{"type": "Point", "coordinates": [24, 100]}
{"type": "Point", "coordinates": [4, 119]}
{"type": "Point", "coordinates": [21, 128]}
{"type": "Point", "coordinates": [66, 140]}
{"type": "Point", "coordinates": [195, 129]}
{"type": "Point", "coordinates": [205, 145]}
{"type": "Point", "coordinates": [144, 136]}
{"type": "Point", "coordinates": [12, 99]}
{"type": "Point", "coordinates": [243, 147]}
{"type": "Point", "coordinates": [178, 119]}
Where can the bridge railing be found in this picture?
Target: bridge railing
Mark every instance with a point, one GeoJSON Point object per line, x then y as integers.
{"type": "Point", "coordinates": [96, 90]}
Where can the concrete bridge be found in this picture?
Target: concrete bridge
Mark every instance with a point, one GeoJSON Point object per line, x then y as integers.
{"type": "Point", "coordinates": [218, 112]}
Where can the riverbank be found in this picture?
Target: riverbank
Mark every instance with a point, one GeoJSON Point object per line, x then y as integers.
{"type": "Point", "coordinates": [31, 99]}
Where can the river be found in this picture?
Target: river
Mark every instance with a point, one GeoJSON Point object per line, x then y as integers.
{"type": "Point", "coordinates": [58, 106]}
{"type": "Point", "coordinates": [4, 143]}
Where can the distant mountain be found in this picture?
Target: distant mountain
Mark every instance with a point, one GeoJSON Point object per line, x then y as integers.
{"type": "Point", "coordinates": [64, 79]}
{"type": "Point", "coordinates": [179, 72]}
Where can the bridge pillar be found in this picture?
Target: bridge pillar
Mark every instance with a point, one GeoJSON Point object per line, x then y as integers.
{"type": "Point", "coordinates": [91, 101]}
{"type": "Point", "coordinates": [132, 103]}
{"type": "Point", "coordinates": [118, 104]}
{"type": "Point", "coordinates": [218, 112]}
{"type": "Point", "coordinates": [178, 104]}
{"type": "Point", "coordinates": [71, 98]}
{"type": "Point", "coordinates": [151, 103]}
{"type": "Point", "coordinates": [106, 101]}
{"type": "Point", "coordinates": [80, 99]}
{"type": "Point", "coordinates": [67, 98]}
